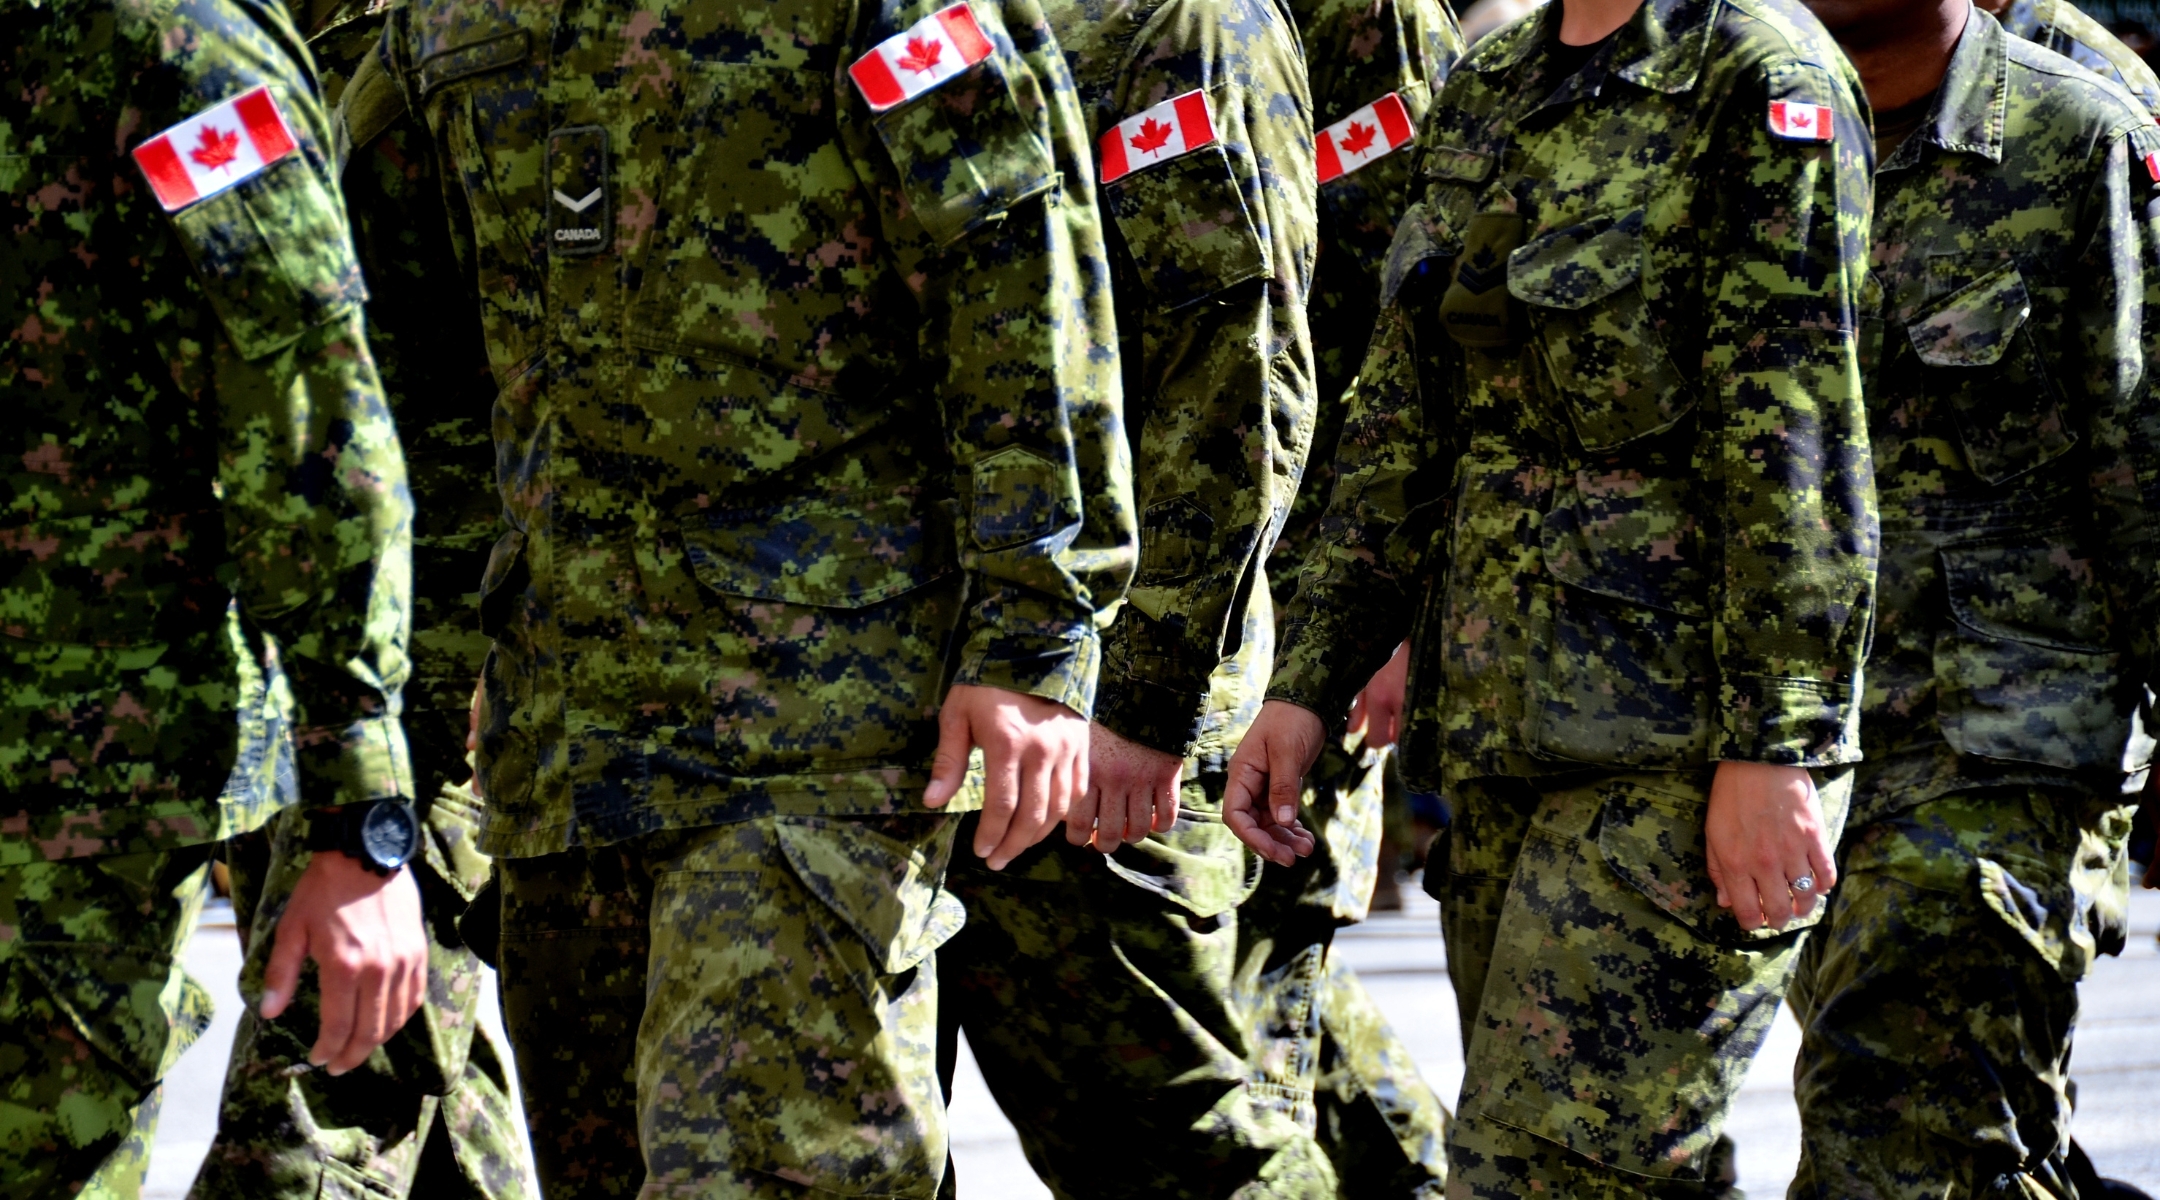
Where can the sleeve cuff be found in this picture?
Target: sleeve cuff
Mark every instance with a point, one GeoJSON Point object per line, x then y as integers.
{"type": "Point", "coordinates": [360, 762]}
{"type": "Point", "coordinates": [1787, 722]}
{"type": "Point", "coordinates": [1063, 669]}
{"type": "Point", "coordinates": [1158, 717]}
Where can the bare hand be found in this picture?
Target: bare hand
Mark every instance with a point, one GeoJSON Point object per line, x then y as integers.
{"type": "Point", "coordinates": [371, 956]}
{"type": "Point", "coordinates": [1377, 712]}
{"type": "Point", "coordinates": [1260, 801]}
{"type": "Point", "coordinates": [1764, 831]}
{"type": "Point", "coordinates": [1035, 761]}
{"type": "Point", "coordinates": [1132, 791]}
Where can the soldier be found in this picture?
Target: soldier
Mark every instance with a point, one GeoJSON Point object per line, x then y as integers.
{"type": "Point", "coordinates": [198, 421]}
{"type": "Point", "coordinates": [1607, 458]}
{"type": "Point", "coordinates": [2015, 433]}
{"type": "Point", "coordinates": [1370, 66]}
{"type": "Point", "coordinates": [432, 1117]}
{"type": "Point", "coordinates": [1094, 977]}
{"type": "Point", "coordinates": [808, 443]}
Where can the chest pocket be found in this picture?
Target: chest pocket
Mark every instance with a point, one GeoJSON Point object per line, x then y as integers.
{"type": "Point", "coordinates": [1983, 368]}
{"type": "Point", "coordinates": [1593, 331]}
{"type": "Point", "coordinates": [1188, 228]}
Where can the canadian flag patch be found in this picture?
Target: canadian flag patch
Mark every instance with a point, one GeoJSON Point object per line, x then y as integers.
{"type": "Point", "coordinates": [2152, 165]}
{"type": "Point", "coordinates": [932, 51]}
{"type": "Point", "coordinates": [215, 149]}
{"type": "Point", "coordinates": [1179, 125]}
{"type": "Point", "coordinates": [1371, 132]}
{"type": "Point", "coordinates": [1798, 122]}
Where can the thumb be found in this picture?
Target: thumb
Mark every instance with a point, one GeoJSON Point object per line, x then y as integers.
{"type": "Point", "coordinates": [281, 977]}
{"type": "Point", "coordinates": [948, 767]}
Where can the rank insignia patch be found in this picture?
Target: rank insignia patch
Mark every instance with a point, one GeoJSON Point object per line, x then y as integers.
{"type": "Point", "coordinates": [215, 149]}
{"type": "Point", "coordinates": [1797, 122]}
{"type": "Point", "coordinates": [1374, 131]}
{"type": "Point", "coordinates": [906, 65]}
{"type": "Point", "coordinates": [1179, 125]}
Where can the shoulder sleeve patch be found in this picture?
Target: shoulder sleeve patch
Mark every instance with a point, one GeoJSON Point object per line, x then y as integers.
{"type": "Point", "coordinates": [1800, 95]}
{"type": "Point", "coordinates": [215, 149]}
{"type": "Point", "coordinates": [908, 64]}
{"type": "Point", "coordinates": [1176, 127]}
{"type": "Point", "coordinates": [1374, 131]}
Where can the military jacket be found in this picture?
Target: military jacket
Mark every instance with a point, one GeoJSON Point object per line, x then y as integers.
{"type": "Point", "coordinates": [1608, 449]}
{"type": "Point", "coordinates": [808, 408]}
{"type": "Point", "coordinates": [196, 419]}
{"type": "Point", "coordinates": [1212, 257]}
{"type": "Point", "coordinates": [1357, 54]}
{"type": "Point", "coordinates": [2072, 33]}
{"type": "Point", "coordinates": [432, 356]}
{"type": "Point", "coordinates": [2016, 433]}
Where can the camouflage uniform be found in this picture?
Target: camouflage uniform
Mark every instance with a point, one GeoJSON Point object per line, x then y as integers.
{"type": "Point", "coordinates": [1382, 1132]}
{"type": "Point", "coordinates": [197, 421]}
{"type": "Point", "coordinates": [806, 411]}
{"type": "Point", "coordinates": [2017, 450]}
{"type": "Point", "coordinates": [1113, 976]}
{"type": "Point", "coordinates": [2070, 32]}
{"type": "Point", "coordinates": [1616, 347]}
{"type": "Point", "coordinates": [430, 1115]}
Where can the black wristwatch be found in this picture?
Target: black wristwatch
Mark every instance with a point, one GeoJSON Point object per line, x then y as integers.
{"type": "Point", "coordinates": [383, 836]}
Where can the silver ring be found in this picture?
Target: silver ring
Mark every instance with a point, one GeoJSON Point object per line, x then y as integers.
{"type": "Point", "coordinates": [1806, 883]}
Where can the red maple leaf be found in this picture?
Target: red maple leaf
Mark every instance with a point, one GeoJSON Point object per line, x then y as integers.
{"type": "Point", "coordinates": [216, 149]}
{"type": "Point", "coordinates": [1358, 138]}
{"type": "Point", "coordinates": [1152, 136]}
{"type": "Point", "coordinates": [922, 54]}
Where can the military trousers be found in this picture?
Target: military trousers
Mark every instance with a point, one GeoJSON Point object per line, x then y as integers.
{"type": "Point", "coordinates": [95, 1008]}
{"type": "Point", "coordinates": [428, 1115]}
{"type": "Point", "coordinates": [743, 1010]}
{"type": "Point", "coordinates": [1938, 1000]}
{"type": "Point", "coordinates": [1609, 1007]}
{"type": "Point", "coordinates": [1323, 1048]}
{"type": "Point", "coordinates": [1097, 995]}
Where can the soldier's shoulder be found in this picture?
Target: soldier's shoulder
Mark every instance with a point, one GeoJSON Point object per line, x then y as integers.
{"type": "Point", "coordinates": [1753, 36]}
{"type": "Point", "coordinates": [2053, 90]}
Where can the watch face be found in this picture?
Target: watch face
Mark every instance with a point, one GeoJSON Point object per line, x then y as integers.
{"type": "Point", "coordinates": [390, 833]}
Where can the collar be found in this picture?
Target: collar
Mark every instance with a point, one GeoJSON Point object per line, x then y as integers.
{"type": "Point", "coordinates": [1972, 107]}
{"type": "Point", "coordinates": [1662, 47]}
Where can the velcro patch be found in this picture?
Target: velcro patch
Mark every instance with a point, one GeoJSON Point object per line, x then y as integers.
{"type": "Point", "coordinates": [215, 149]}
{"type": "Point", "coordinates": [579, 221]}
{"type": "Point", "coordinates": [1177, 126]}
{"type": "Point", "coordinates": [1798, 122]}
{"type": "Point", "coordinates": [932, 51]}
{"type": "Point", "coordinates": [1374, 131]}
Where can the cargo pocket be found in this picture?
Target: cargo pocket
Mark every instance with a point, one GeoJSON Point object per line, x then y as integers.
{"type": "Point", "coordinates": [1198, 864]}
{"type": "Point", "coordinates": [1983, 367]}
{"type": "Point", "coordinates": [1594, 332]}
{"type": "Point", "coordinates": [1654, 842]}
{"type": "Point", "coordinates": [889, 893]}
{"type": "Point", "coordinates": [1020, 497]}
{"type": "Point", "coordinates": [2025, 669]}
{"type": "Point", "coordinates": [141, 1011]}
{"type": "Point", "coordinates": [273, 256]}
{"type": "Point", "coordinates": [1188, 228]}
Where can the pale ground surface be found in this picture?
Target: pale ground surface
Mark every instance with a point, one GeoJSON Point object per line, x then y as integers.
{"type": "Point", "coordinates": [1401, 961]}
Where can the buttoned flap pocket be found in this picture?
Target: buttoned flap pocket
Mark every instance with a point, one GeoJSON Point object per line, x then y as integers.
{"type": "Point", "coordinates": [1188, 228]}
{"type": "Point", "coordinates": [829, 551]}
{"type": "Point", "coordinates": [1176, 536]}
{"type": "Point", "coordinates": [973, 146]}
{"type": "Point", "coordinates": [2025, 671]}
{"type": "Point", "coordinates": [1021, 496]}
{"type": "Point", "coordinates": [273, 255]}
{"type": "Point", "coordinates": [889, 892]}
{"type": "Point", "coordinates": [1653, 840]}
{"type": "Point", "coordinates": [1982, 362]}
{"type": "Point", "coordinates": [1595, 333]}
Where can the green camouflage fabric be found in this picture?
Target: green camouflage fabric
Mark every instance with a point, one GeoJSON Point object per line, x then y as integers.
{"type": "Point", "coordinates": [1098, 992]}
{"type": "Point", "coordinates": [805, 411]}
{"type": "Point", "coordinates": [2072, 33]}
{"type": "Point", "coordinates": [1212, 261]}
{"type": "Point", "coordinates": [747, 1010]}
{"type": "Point", "coordinates": [1624, 499]}
{"type": "Point", "coordinates": [198, 421]}
{"type": "Point", "coordinates": [428, 1115]}
{"type": "Point", "coordinates": [1609, 1007]}
{"type": "Point", "coordinates": [95, 1008]}
{"type": "Point", "coordinates": [1937, 1000]}
{"type": "Point", "coordinates": [2017, 439]}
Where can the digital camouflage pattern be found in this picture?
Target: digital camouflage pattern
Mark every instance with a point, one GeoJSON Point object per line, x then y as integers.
{"type": "Point", "coordinates": [2070, 32]}
{"type": "Point", "coordinates": [2014, 428]}
{"type": "Point", "coordinates": [95, 1007]}
{"type": "Point", "coordinates": [200, 424]}
{"type": "Point", "coordinates": [1540, 475]}
{"type": "Point", "coordinates": [1938, 999]}
{"type": "Point", "coordinates": [775, 986]}
{"type": "Point", "coordinates": [1570, 901]}
{"type": "Point", "coordinates": [759, 469]}
{"type": "Point", "coordinates": [2017, 440]}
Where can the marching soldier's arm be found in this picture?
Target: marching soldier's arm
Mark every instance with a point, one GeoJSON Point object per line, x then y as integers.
{"type": "Point", "coordinates": [317, 516]}
{"type": "Point", "coordinates": [1221, 368]}
{"type": "Point", "coordinates": [1792, 500]}
{"type": "Point", "coordinates": [1005, 253]}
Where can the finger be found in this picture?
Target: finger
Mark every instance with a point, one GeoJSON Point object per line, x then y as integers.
{"type": "Point", "coordinates": [1001, 791]}
{"type": "Point", "coordinates": [370, 1012]}
{"type": "Point", "coordinates": [1110, 819]}
{"type": "Point", "coordinates": [1030, 812]}
{"type": "Point", "coordinates": [281, 977]}
{"type": "Point", "coordinates": [1064, 774]}
{"type": "Point", "coordinates": [1166, 802]}
{"type": "Point", "coordinates": [1746, 902]}
{"type": "Point", "coordinates": [948, 766]}
{"type": "Point", "coordinates": [1284, 778]}
{"type": "Point", "coordinates": [1717, 875]}
{"type": "Point", "coordinates": [1359, 715]}
{"type": "Point", "coordinates": [1139, 811]}
{"type": "Point", "coordinates": [1774, 887]}
{"type": "Point", "coordinates": [340, 1005]}
{"type": "Point", "coordinates": [1080, 819]}
{"type": "Point", "coordinates": [1824, 862]}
